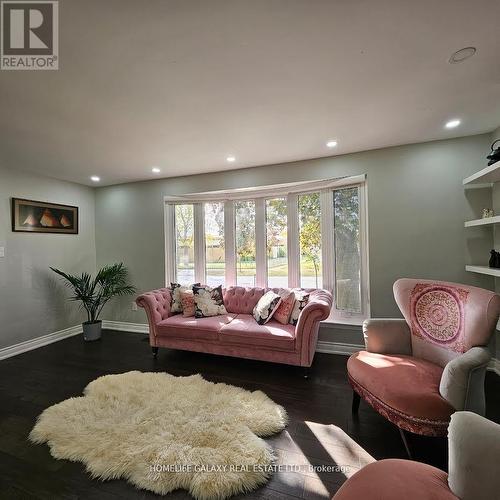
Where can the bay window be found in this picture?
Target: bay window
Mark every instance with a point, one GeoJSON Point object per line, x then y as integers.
{"type": "Point", "coordinates": [215, 262]}
{"type": "Point", "coordinates": [347, 250]}
{"type": "Point", "coordinates": [276, 243]}
{"type": "Point", "coordinates": [309, 216]}
{"type": "Point", "coordinates": [245, 243]}
{"type": "Point", "coordinates": [305, 234]}
{"type": "Point", "coordinates": [184, 243]}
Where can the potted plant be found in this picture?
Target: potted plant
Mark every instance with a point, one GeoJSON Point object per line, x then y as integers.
{"type": "Point", "coordinates": [110, 281]}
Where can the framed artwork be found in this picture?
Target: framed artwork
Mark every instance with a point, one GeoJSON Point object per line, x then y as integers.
{"type": "Point", "coordinates": [41, 217]}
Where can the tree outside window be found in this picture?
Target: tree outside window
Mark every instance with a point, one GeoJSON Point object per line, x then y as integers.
{"type": "Point", "coordinates": [310, 240]}
{"type": "Point", "coordinates": [245, 243]}
{"type": "Point", "coordinates": [184, 243]}
{"type": "Point", "coordinates": [214, 243]}
{"type": "Point", "coordinates": [276, 243]}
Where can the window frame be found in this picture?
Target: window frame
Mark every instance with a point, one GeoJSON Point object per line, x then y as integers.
{"type": "Point", "coordinates": [260, 195]}
{"type": "Point", "coordinates": [258, 237]}
{"type": "Point", "coordinates": [205, 240]}
{"type": "Point", "coordinates": [266, 263]}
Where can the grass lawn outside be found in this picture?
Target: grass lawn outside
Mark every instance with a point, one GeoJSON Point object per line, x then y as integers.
{"type": "Point", "coordinates": [249, 268]}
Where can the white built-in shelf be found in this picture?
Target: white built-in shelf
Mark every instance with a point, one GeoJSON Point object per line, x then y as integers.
{"type": "Point", "coordinates": [487, 175]}
{"type": "Point", "coordinates": [483, 222]}
{"type": "Point", "coordinates": [483, 270]}
{"type": "Point", "coordinates": [488, 185]}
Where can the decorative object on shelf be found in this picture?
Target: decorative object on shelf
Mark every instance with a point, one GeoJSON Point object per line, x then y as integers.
{"type": "Point", "coordinates": [110, 281]}
{"type": "Point", "coordinates": [487, 213]}
{"type": "Point", "coordinates": [40, 217]}
{"type": "Point", "coordinates": [494, 156]}
{"type": "Point", "coordinates": [494, 259]}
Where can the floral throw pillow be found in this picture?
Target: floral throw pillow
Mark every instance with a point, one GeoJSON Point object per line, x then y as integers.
{"type": "Point", "coordinates": [176, 301]}
{"type": "Point", "coordinates": [266, 307]}
{"type": "Point", "coordinates": [187, 300]}
{"type": "Point", "coordinates": [301, 300]}
{"type": "Point", "coordinates": [208, 301]}
{"type": "Point", "coordinates": [284, 309]}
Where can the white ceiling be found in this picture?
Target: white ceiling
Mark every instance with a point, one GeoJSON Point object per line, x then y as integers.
{"type": "Point", "coordinates": [183, 84]}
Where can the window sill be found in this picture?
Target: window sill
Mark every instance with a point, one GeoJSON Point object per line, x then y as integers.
{"type": "Point", "coordinates": [343, 322]}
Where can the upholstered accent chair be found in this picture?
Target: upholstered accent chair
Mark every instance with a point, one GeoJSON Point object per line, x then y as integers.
{"type": "Point", "coordinates": [418, 371]}
{"type": "Point", "coordinates": [473, 457]}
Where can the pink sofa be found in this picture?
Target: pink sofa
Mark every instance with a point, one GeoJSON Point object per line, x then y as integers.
{"type": "Point", "coordinates": [237, 333]}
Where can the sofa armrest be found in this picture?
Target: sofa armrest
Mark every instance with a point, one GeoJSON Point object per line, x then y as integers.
{"type": "Point", "coordinates": [306, 332]}
{"type": "Point", "coordinates": [462, 381]}
{"type": "Point", "coordinates": [387, 336]}
{"type": "Point", "coordinates": [474, 453]}
{"type": "Point", "coordinates": [157, 306]}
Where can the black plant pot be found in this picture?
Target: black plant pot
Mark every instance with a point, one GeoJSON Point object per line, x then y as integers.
{"type": "Point", "coordinates": [92, 330]}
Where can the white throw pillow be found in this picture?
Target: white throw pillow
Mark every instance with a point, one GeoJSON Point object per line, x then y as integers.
{"type": "Point", "coordinates": [208, 301]}
{"type": "Point", "coordinates": [301, 299]}
{"type": "Point", "coordinates": [266, 306]}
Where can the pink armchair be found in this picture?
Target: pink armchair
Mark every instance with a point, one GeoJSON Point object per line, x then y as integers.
{"type": "Point", "coordinates": [474, 452]}
{"type": "Point", "coordinates": [418, 371]}
{"type": "Point", "coordinates": [237, 333]}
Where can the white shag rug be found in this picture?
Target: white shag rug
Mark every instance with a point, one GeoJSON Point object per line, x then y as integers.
{"type": "Point", "coordinates": [161, 433]}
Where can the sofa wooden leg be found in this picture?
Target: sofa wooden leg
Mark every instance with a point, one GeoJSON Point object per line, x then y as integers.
{"type": "Point", "coordinates": [155, 352]}
{"type": "Point", "coordinates": [355, 402]}
{"type": "Point", "coordinates": [305, 372]}
{"type": "Point", "coordinates": [405, 442]}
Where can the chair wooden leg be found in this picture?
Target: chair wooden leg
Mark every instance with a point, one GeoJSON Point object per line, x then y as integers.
{"type": "Point", "coordinates": [355, 402]}
{"type": "Point", "coordinates": [155, 352]}
{"type": "Point", "coordinates": [405, 442]}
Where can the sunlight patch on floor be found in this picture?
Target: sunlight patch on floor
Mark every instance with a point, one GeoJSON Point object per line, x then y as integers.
{"type": "Point", "coordinates": [339, 445]}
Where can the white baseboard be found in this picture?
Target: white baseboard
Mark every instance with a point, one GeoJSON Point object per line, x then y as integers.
{"type": "Point", "coordinates": [323, 345]}
{"type": "Point", "coordinates": [124, 326]}
{"type": "Point", "coordinates": [29, 345]}
{"type": "Point", "coordinates": [338, 348]}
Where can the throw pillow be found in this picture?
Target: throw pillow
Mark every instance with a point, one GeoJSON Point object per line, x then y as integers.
{"type": "Point", "coordinates": [301, 299]}
{"type": "Point", "coordinates": [266, 307]}
{"type": "Point", "coordinates": [284, 309]}
{"type": "Point", "coordinates": [187, 300]}
{"type": "Point", "coordinates": [176, 290]}
{"type": "Point", "coordinates": [208, 301]}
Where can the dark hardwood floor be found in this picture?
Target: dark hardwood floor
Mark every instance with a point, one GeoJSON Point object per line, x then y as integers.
{"type": "Point", "coordinates": [321, 430]}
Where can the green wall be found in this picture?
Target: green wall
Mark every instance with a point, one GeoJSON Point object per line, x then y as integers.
{"type": "Point", "coordinates": [32, 301]}
{"type": "Point", "coordinates": [416, 201]}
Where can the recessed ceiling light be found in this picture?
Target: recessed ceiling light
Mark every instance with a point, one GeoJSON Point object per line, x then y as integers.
{"type": "Point", "coordinates": [95, 178]}
{"type": "Point", "coordinates": [452, 124]}
{"type": "Point", "coordinates": [331, 144]}
{"type": "Point", "coordinates": [155, 170]}
{"type": "Point", "coordinates": [461, 55]}
{"type": "Point", "coordinates": [230, 159]}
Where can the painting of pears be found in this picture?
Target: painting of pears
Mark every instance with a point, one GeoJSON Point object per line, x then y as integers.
{"type": "Point", "coordinates": [42, 217]}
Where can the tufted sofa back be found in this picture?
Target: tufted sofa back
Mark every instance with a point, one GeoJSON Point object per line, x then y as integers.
{"type": "Point", "coordinates": [237, 299]}
{"type": "Point", "coordinates": [241, 300]}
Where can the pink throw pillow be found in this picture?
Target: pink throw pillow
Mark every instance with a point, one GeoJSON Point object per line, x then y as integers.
{"type": "Point", "coordinates": [282, 314]}
{"type": "Point", "coordinates": [187, 301]}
